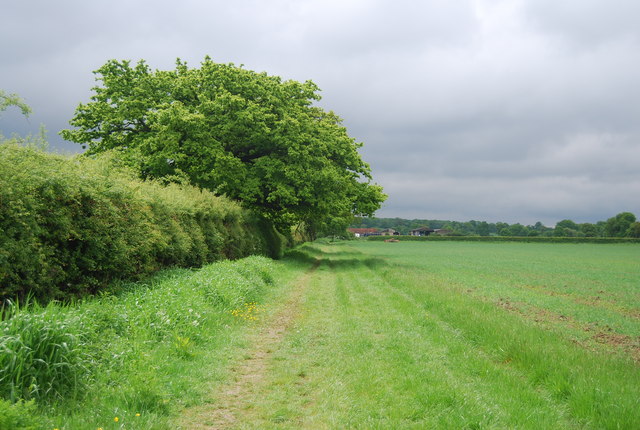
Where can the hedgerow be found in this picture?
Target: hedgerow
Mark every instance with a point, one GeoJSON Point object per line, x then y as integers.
{"type": "Point", "coordinates": [71, 225]}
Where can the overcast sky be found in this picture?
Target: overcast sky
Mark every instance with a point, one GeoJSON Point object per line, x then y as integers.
{"type": "Point", "coordinates": [515, 111]}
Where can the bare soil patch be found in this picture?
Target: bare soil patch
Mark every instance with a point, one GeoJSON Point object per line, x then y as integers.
{"type": "Point", "coordinates": [599, 301]}
{"type": "Point", "coordinates": [602, 335]}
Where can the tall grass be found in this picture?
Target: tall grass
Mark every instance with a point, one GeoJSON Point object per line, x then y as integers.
{"type": "Point", "coordinates": [134, 352]}
{"type": "Point", "coordinates": [41, 357]}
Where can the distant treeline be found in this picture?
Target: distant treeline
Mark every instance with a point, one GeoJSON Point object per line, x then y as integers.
{"type": "Point", "coordinates": [622, 225]}
{"type": "Point", "coordinates": [533, 239]}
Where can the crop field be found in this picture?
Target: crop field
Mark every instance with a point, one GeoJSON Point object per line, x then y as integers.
{"type": "Point", "coordinates": [590, 293]}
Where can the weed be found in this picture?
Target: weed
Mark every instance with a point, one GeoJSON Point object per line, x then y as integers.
{"type": "Point", "coordinates": [248, 312]}
{"type": "Point", "coordinates": [19, 416]}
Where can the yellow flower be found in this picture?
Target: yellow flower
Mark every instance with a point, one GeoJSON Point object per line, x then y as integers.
{"type": "Point", "coordinates": [137, 415]}
{"type": "Point", "coordinates": [116, 419]}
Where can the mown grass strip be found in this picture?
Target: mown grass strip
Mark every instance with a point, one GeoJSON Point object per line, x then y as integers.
{"type": "Point", "coordinates": [231, 402]}
{"type": "Point", "coordinates": [363, 354]}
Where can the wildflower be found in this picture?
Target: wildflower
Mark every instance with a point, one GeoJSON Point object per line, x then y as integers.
{"type": "Point", "coordinates": [116, 419]}
{"type": "Point", "coordinates": [137, 415]}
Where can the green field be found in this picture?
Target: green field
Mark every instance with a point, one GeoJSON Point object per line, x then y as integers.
{"type": "Point", "coordinates": [353, 335]}
{"type": "Point", "coordinates": [449, 335]}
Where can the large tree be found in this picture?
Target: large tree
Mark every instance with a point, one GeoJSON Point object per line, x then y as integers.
{"type": "Point", "coordinates": [248, 135]}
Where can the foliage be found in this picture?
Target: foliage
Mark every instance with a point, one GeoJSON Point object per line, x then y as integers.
{"type": "Point", "coordinates": [634, 230]}
{"type": "Point", "coordinates": [275, 242]}
{"type": "Point", "coordinates": [247, 135]}
{"type": "Point", "coordinates": [473, 227]}
{"type": "Point", "coordinates": [69, 226]}
{"type": "Point", "coordinates": [38, 141]}
{"type": "Point", "coordinates": [620, 225]}
{"type": "Point", "coordinates": [7, 100]}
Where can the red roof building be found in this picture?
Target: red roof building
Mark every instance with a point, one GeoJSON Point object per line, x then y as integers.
{"type": "Point", "coordinates": [357, 232]}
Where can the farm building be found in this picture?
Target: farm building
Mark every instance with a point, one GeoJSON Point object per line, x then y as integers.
{"type": "Point", "coordinates": [442, 231]}
{"type": "Point", "coordinates": [388, 232]}
{"type": "Point", "coordinates": [360, 232]}
{"type": "Point", "coordinates": [422, 231]}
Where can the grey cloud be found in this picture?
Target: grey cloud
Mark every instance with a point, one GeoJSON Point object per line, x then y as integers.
{"type": "Point", "coordinates": [517, 111]}
{"type": "Point", "coordinates": [546, 199]}
{"type": "Point", "coordinates": [586, 24]}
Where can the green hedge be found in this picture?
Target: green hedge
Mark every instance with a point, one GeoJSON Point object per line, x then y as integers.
{"type": "Point", "coordinates": [537, 239]}
{"type": "Point", "coordinates": [70, 226]}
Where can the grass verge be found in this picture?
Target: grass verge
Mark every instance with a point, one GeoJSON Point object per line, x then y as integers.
{"type": "Point", "coordinates": [132, 359]}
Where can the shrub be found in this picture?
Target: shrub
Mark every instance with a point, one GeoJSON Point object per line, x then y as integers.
{"type": "Point", "coordinates": [70, 226]}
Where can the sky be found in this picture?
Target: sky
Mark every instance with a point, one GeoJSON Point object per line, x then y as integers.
{"type": "Point", "coordinates": [516, 111]}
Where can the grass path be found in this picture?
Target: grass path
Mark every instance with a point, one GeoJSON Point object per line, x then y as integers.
{"type": "Point", "coordinates": [364, 343]}
{"type": "Point", "coordinates": [232, 402]}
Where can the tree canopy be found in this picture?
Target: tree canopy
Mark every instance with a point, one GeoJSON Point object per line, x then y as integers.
{"type": "Point", "coordinates": [621, 225]}
{"type": "Point", "coordinates": [250, 136]}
